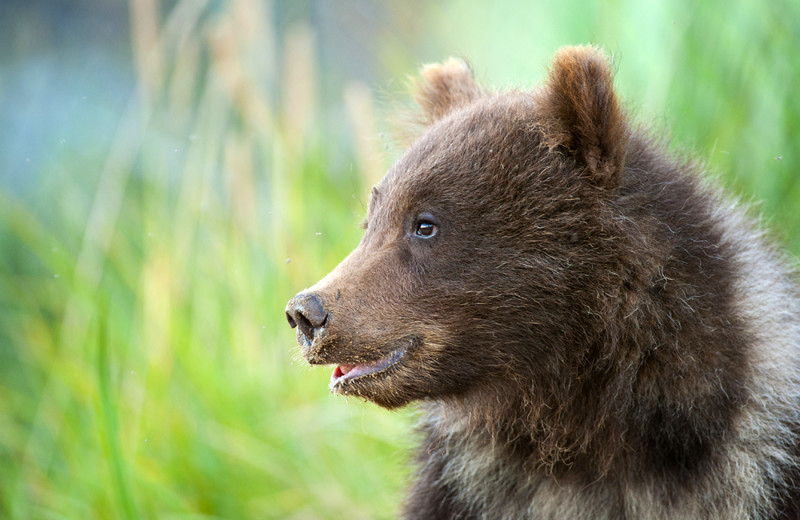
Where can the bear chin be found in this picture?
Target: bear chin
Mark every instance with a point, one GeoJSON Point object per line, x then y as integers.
{"type": "Point", "coordinates": [372, 380]}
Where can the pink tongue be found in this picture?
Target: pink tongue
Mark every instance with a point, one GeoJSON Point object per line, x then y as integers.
{"type": "Point", "coordinates": [342, 370]}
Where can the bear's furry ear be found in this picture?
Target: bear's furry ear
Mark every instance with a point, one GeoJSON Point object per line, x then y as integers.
{"type": "Point", "coordinates": [443, 87]}
{"type": "Point", "coordinates": [580, 113]}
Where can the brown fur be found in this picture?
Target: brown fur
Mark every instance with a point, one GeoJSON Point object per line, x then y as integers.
{"type": "Point", "coordinates": [593, 331]}
{"type": "Point", "coordinates": [442, 87]}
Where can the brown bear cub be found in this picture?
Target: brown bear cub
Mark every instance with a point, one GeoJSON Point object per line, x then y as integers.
{"type": "Point", "coordinates": [593, 331]}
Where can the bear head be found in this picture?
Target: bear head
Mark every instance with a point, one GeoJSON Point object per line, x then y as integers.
{"type": "Point", "coordinates": [491, 247]}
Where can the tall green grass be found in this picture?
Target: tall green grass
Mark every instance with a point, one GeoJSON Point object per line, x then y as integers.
{"type": "Point", "coordinates": [146, 369]}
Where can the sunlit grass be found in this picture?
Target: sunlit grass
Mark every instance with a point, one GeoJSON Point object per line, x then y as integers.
{"type": "Point", "coordinates": [146, 369]}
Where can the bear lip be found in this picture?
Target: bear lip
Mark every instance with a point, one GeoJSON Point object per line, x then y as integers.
{"type": "Point", "coordinates": [347, 372]}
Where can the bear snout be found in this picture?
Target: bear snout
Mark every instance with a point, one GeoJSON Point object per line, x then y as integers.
{"type": "Point", "coordinates": [306, 312]}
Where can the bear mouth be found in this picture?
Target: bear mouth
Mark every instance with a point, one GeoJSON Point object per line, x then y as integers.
{"type": "Point", "coordinates": [347, 373]}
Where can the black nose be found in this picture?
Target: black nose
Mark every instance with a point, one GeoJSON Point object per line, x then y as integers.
{"type": "Point", "coordinates": [305, 312]}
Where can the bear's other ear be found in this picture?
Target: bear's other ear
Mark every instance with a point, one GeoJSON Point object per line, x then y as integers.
{"type": "Point", "coordinates": [443, 87]}
{"type": "Point", "coordinates": [580, 113]}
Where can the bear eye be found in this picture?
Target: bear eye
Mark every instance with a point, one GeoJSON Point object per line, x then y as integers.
{"type": "Point", "coordinates": [426, 229]}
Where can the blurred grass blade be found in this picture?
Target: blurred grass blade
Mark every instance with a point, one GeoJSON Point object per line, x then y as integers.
{"type": "Point", "coordinates": [110, 428]}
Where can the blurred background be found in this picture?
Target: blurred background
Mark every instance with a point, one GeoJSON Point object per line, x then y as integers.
{"type": "Point", "coordinates": [171, 172]}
